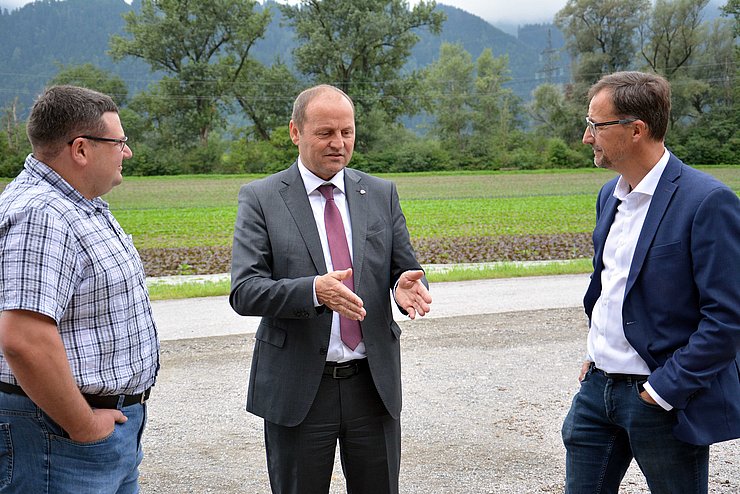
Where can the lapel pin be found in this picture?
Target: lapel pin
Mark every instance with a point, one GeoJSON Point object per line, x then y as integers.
{"type": "Point", "coordinates": [362, 192]}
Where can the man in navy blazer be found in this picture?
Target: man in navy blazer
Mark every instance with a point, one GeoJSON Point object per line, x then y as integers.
{"type": "Point", "coordinates": [313, 389]}
{"type": "Point", "coordinates": [662, 379]}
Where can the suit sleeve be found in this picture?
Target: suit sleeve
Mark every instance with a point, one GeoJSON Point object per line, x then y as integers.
{"type": "Point", "coordinates": [715, 254]}
{"type": "Point", "coordinates": [255, 289]}
{"type": "Point", "coordinates": [403, 257]}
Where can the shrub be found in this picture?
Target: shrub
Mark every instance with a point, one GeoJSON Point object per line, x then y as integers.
{"type": "Point", "coordinates": [560, 155]}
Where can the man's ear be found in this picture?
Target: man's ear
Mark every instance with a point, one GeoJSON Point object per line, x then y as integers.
{"type": "Point", "coordinates": [78, 151]}
{"type": "Point", "coordinates": [295, 136]}
{"type": "Point", "coordinates": [640, 130]}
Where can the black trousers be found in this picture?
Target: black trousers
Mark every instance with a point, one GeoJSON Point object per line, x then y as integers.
{"type": "Point", "coordinates": [300, 459]}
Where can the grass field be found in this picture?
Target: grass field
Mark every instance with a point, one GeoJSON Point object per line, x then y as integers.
{"type": "Point", "coordinates": [201, 210]}
{"type": "Point", "coordinates": [191, 211]}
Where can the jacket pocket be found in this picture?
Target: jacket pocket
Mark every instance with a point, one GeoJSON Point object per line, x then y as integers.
{"type": "Point", "coordinates": [665, 250]}
{"type": "Point", "coordinates": [271, 335]}
{"type": "Point", "coordinates": [396, 330]}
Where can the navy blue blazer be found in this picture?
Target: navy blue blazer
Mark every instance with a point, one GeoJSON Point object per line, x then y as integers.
{"type": "Point", "coordinates": [681, 309]}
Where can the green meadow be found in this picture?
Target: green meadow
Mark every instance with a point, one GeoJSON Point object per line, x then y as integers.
{"type": "Point", "coordinates": [192, 211]}
{"type": "Point", "coordinates": [200, 210]}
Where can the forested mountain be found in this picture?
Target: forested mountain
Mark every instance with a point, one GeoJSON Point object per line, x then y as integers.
{"type": "Point", "coordinates": [38, 38]}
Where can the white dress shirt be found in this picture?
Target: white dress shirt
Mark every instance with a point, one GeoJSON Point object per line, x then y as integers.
{"type": "Point", "coordinates": [337, 351]}
{"type": "Point", "coordinates": [608, 347]}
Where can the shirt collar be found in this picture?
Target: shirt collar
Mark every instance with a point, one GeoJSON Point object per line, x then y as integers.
{"type": "Point", "coordinates": [648, 184]}
{"type": "Point", "coordinates": [312, 182]}
{"type": "Point", "coordinates": [41, 170]}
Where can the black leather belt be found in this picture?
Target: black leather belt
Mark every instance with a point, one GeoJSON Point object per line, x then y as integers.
{"type": "Point", "coordinates": [95, 401]}
{"type": "Point", "coordinates": [619, 377]}
{"type": "Point", "coordinates": [343, 370]}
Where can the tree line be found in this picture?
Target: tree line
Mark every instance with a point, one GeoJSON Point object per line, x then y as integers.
{"type": "Point", "coordinates": [216, 109]}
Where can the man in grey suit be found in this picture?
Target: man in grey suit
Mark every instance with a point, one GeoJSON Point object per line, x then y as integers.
{"type": "Point", "coordinates": [310, 380]}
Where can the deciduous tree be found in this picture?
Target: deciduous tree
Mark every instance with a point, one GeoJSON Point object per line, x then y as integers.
{"type": "Point", "coordinates": [449, 92]}
{"type": "Point", "coordinates": [494, 107]}
{"type": "Point", "coordinates": [201, 46]}
{"type": "Point", "coordinates": [361, 47]}
{"type": "Point", "coordinates": [671, 33]}
{"type": "Point", "coordinates": [92, 77]}
{"type": "Point", "coordinates": [266, 95]}
{"type": "Point", "coordinates": [601, 33]}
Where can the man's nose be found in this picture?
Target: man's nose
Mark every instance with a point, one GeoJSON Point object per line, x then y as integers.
{"type": "Point", "coordinates": [336, 141]}
{"type": "Point", "coordinates": [587, 137]}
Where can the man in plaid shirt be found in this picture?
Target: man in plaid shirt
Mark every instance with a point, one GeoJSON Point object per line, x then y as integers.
{"type": "Point", "coordinates": [79, 351]}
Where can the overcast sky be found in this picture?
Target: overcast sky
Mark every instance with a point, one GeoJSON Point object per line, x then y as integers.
{"type": "Point", "coordinates": [509, 11]}
{"type": "Point", "coordinates": [494, 11]}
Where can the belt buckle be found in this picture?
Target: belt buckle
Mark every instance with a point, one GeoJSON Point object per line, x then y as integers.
{"type": "Point", "coordinates": [342, 367]}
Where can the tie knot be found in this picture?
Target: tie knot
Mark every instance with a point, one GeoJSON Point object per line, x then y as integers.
{"type": "Point", "coordinates": [327, 190]}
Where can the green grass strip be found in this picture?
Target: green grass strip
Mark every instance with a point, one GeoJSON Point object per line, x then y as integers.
{"type": "Point", "coordinates": [511, 270]}
{"type": "Point", "coordinates": [189, 289]}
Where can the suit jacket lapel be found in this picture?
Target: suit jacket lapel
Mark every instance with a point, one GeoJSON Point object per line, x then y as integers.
{"type": "Point", "coordinates": [658, 205]}
{"type": "Point", "coordinates": [296, 200]}
{"type": "Point", "coordinates": [606, 218]}
{"type": "Point", "coordinates": [357, 203]}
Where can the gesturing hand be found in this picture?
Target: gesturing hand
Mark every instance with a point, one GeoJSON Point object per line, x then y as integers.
{"type": "Point", "coordinates": [412, 295]}
{"type": "Point", "coordinates": [331, 292]}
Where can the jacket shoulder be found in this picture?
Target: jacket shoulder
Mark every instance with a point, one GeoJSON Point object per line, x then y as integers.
{"type": "Point", "coordinates": [276, 180]}
{"type": "Point", "coordinates": [366, 178]}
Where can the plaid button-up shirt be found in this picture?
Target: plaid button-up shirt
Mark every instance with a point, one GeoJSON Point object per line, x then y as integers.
{"type": "Point", "coordinates": [66, 257]}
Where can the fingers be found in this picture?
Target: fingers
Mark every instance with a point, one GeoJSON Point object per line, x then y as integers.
{"type": "Point", "coordinates": [412, 276]}
{"type": "Point", "coordinates": [101, 426]}
{"type": "Point", "coordinates": [412, 295]}
{"type": "Point", "coordinates": [584, 368]}
{"type": "Point", "coordinates": [331, 292]}
{"type": "Point", "coordinates": [411, 280]}
{"type": "Point", "coordinates": [419, 308]}
{"type": "Point", "coordinates": [415, 304]}
{"type": "Point", "coordinates": [120, 418]}
{"type": "Point", "coordinates": [341, 275]}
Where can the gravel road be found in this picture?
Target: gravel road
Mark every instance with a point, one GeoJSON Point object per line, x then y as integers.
{"type": "Point", "coordinates": [484, 399]}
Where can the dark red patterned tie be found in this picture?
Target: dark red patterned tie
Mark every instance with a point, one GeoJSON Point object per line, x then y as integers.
{"type": "Point", "coordinates": [349, 329]}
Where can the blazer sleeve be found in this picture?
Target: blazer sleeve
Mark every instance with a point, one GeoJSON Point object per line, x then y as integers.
{"type": "Point", "coordinates": [256, 288]}
{"type": "Point", "coordinates": [715, 254]}
{"type": "Point", "coordinates": [403, 257]}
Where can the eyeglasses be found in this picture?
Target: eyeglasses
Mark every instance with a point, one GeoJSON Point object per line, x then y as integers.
{"type": "Point", "coordinates": [593, 125]}
{"type": "Point", "coordinates": [121, 142]}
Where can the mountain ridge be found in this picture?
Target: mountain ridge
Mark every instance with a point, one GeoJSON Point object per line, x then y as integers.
{"type": "Point", "coordinates": [39, 37]}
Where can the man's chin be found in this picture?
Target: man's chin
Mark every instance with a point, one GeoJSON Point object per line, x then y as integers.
{"type": "Point", "coordinates": [335, 164]}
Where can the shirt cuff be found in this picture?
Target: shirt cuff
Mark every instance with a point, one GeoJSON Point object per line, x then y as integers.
{"type": "Point", "coordinates": [315, 299]}
{"type": "Point", "coordinates": [654, 395]}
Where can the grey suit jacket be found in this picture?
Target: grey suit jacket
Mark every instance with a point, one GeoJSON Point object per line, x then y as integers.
{"type": "Point", "coordinates": [276, 255]}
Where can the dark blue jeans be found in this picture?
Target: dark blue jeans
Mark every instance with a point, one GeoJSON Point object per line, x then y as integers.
{"type": "Point", "coordinates": [36, 456]}
{"type": "Point", "coordinates": [609, 424]}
